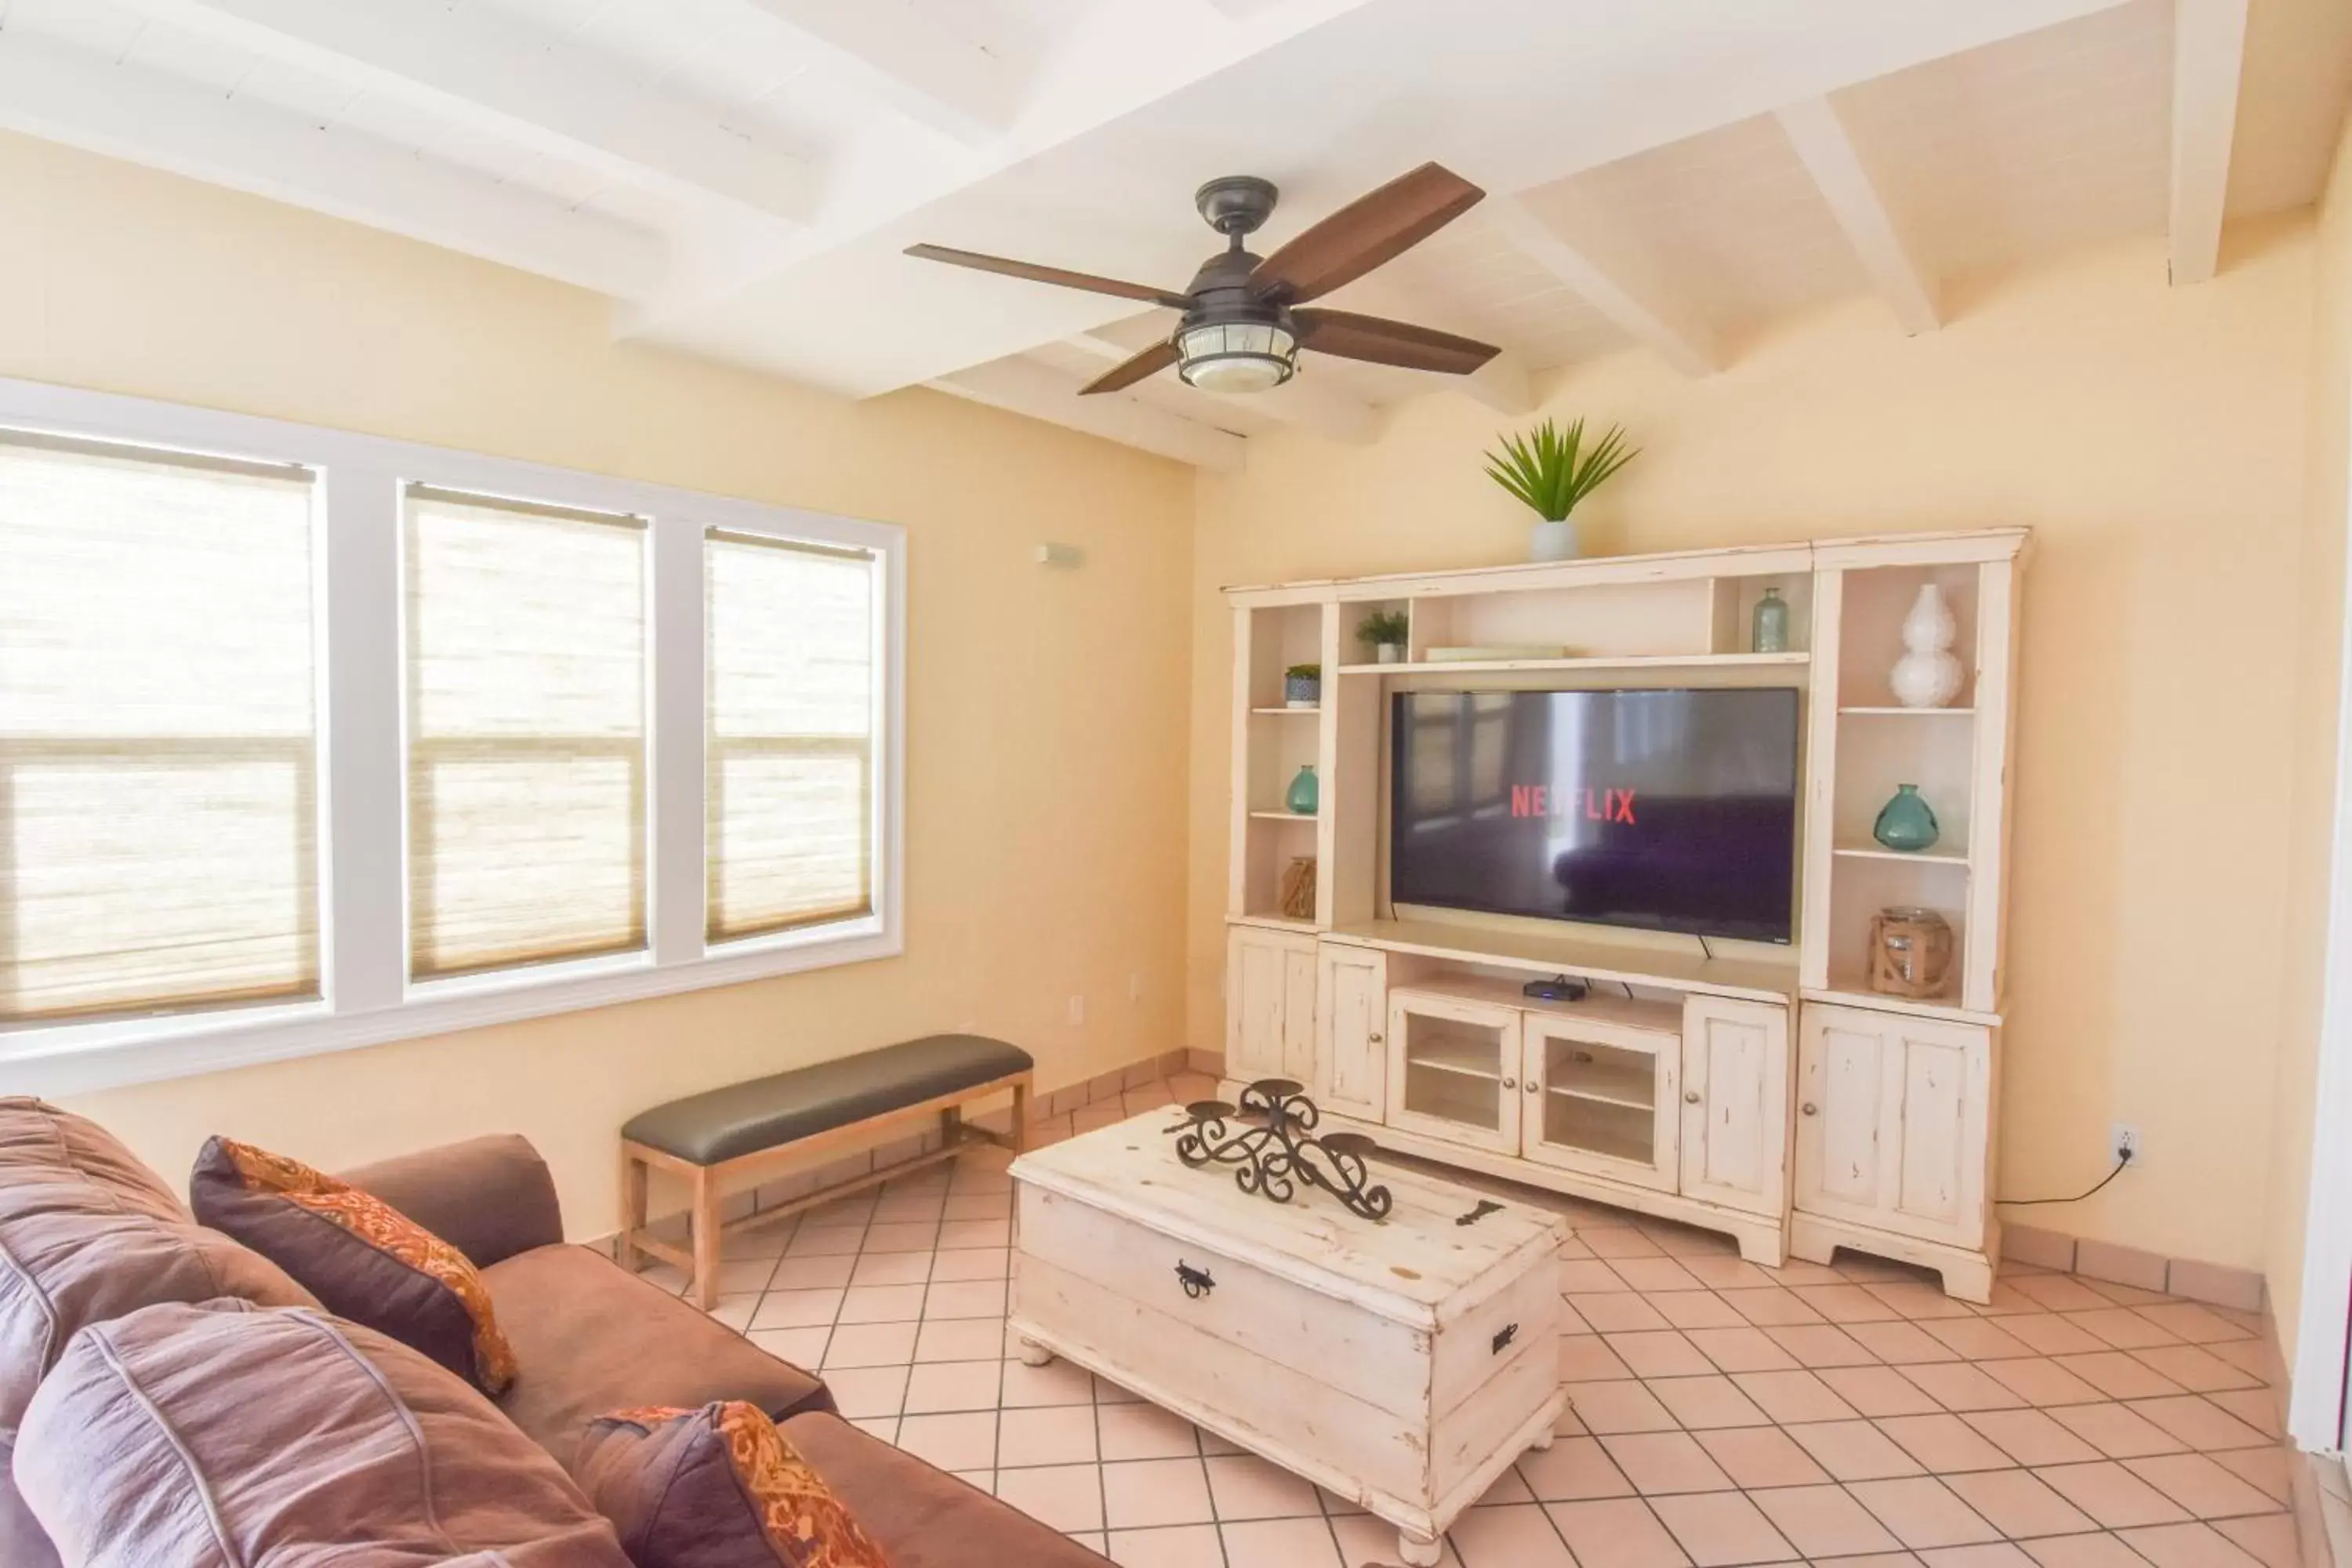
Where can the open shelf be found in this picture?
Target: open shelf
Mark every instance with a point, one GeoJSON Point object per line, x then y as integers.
{"type": "Point", "coordinates": [1849, 985]}
{"type": "Point", "coordinates": [1663, 1018]}
{"type": "Point", "coordinates": [1272, 923]}
{"type": "Point", "coordinates": [1626, 661]}
{"type": "Point", "coordinates": [1748, 979]}
{"type": "Point", "coordinates": [1290, 712]}
{"type": "Point", "coordinates": [1945, 853]}
{"type": "Point", "coordinates": [1284, 815]}
{"type": "Point", "coordinates": [1908, 713]}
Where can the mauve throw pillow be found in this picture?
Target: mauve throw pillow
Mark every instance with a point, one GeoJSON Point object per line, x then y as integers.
{"type": "Point", "coordinates": [87, 1233]}
{"type": "Point", "coordinates": [228, 1435]}
{"type": "Point", "coordinates": [716, 1487]}
{"type": "Point", "coordinates": [362, 1257]}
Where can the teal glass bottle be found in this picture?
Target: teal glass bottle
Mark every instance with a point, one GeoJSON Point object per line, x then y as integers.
{"type": "Point", "coordinates": [1906, 823]}
{"type": "Point", "coordinates": [1769, 631]}
{"type": "Point", "coordinates": [1305, 794]}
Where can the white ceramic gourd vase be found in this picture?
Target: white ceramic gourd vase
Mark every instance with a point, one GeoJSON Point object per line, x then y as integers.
{"type": "Point", "coordinates": [1928, 675]}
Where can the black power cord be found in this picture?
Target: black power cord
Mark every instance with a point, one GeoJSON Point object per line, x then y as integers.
{"type": "Point", "coordinates": [2123, 1158]}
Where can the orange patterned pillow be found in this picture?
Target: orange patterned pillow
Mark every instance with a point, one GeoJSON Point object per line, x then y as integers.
{"type": "Point", "coordinates": [716, 1487]}
{"type": "Point", "coordinates": [363, 1259]}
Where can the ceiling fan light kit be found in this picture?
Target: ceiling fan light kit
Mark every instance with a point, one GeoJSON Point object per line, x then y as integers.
{"type": "Point", "coordinates": [1236, 356]}
{"type": "Point", "coordinates": [1241, 331]}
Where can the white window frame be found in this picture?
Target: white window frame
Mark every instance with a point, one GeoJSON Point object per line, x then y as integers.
{"type": "Point", "coordinates": [369, 998]}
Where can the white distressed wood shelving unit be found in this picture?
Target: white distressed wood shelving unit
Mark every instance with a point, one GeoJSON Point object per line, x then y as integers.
{"type": "Point", "coordinates": [1761, 1091]}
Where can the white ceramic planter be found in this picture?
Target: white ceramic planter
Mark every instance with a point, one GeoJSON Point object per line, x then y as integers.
{"type": "Point", "coordinates": [1550, 541]}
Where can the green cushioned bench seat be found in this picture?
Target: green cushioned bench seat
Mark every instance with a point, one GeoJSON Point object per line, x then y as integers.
{"type": "Point", "coordinates": [750, 1128]}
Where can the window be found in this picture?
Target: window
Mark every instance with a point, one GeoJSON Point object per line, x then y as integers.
{"type": "Point", "coordinates": [526, 733]}
{"type": "Point", "coordinates": [158, 783]}
{"type": "Point", "coordinates": [791, 667]}
{"type": "Point", "coordinates": [310, 739]}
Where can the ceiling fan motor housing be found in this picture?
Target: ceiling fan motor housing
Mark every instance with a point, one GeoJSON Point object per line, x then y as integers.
{"type": "Point", "coordinates": [1236, 204]}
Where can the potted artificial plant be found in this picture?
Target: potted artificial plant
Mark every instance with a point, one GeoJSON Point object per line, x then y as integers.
{"type": "Point", "coordinates": [1302, 686]}
{"type": "Point", "coordinates": [1551, 469]}
{"type": "Point", "coordinates": [1386, 630]}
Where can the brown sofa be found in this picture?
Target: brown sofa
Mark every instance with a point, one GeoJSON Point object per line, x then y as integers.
{"type": "Point", "coordinates": [92, 1241]}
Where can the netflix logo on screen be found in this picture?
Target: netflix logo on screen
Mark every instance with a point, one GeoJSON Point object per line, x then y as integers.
{"type": "Point", "coordinates": [1591, 804]}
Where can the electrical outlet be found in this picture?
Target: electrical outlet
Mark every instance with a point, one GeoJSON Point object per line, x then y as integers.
{"type": "Point", "coordinates": [1078, 1010]}
{"type": "Point", "coordinates": [2123, 1140]}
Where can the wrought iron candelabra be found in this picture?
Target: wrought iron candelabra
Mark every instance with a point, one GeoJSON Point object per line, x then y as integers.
{"type": "Point", "coordinates": [1274, 1150]}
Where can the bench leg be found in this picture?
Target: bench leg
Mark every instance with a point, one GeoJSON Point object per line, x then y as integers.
{"type": "Point", "coordinates": [633, 1210]}
{"type": "Point", "coordinates": [705, 1240]}
{"type": "Point", "coordinates": [1021, 1116]}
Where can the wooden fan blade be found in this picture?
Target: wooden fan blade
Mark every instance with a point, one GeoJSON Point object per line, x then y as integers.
{"type": "Point", "coordinates": [1368, 231]}
{"type": "Point", "coordinates": [1055, 275]}
{"type": "Point", "coordinates": [1132, 369]}
{"type": "Point", "coordinates": [1350, 336]}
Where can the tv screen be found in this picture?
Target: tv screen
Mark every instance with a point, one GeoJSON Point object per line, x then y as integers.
{"type": "Point", "coordinates": [1672, 811]}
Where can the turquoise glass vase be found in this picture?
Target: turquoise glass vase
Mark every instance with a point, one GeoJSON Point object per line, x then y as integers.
{"type": "Point", "coordinates": [1305, 794]}
{"type": "Point", "coordinates": [1906, 823]}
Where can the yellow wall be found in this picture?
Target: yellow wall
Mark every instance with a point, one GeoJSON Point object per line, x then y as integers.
{"type": "Point", "coordinates": [1045, 709]}
{"type": "Point", "coordinates": [2153, 438]}
{"type": "Point", "coordinates": [2321, 625]}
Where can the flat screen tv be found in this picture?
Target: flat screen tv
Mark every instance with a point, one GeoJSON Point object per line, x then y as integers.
{"type": "Point", "coordinates": [1671, 811]}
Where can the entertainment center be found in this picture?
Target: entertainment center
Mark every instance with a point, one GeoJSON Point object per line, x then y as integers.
{"type": "Point", "coordinates": [1726, 1065]}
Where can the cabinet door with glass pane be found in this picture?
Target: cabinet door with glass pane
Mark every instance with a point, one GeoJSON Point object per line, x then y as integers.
{"type": "Point", "coordinates": [1601, 1099]}
{"type": "Point", "coordinates": [1453, 1070]}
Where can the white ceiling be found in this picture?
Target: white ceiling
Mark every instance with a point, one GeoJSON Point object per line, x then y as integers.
{"type": "Point", "coordinates": [740, 175]}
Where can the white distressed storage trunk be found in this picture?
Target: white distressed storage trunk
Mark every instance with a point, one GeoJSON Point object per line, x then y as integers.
{"type": "Point", "coordinates": [1402, 1364]}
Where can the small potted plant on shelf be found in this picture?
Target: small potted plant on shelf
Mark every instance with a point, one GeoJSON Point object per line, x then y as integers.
{"type": "Point", "coordinates": [1551, 469]}
{"type": "Point", "coordinates": [1302, 686]}
{"type": "Point", "coordinates": [1386, 630]}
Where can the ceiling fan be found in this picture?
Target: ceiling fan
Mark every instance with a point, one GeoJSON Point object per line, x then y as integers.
{"type": "Point", "coordinates": [1244, 322]}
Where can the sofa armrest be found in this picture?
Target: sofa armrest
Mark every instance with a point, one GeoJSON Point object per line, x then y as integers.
{"type": "Point", "coordinates": [489, 1197]}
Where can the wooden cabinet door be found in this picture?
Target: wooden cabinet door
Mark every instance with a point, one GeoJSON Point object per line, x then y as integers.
{"type": "Point", "coordinates": [1265, 1001]}
{"type": "Point", "coordinates": [1298, 1014]}
{"type": "Point", "coordinates": [1453, 1070]}
{"type": "Point", "coordinates": [1735, 1141]}
{"type": "Point", "coordinates": [1893, 1121]}
{"type": "Point", "coordinates": [1352, 1008]}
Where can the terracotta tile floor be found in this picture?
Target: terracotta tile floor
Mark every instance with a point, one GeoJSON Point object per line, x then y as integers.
{"type": "Point", "coordinates": [1723, 1414]}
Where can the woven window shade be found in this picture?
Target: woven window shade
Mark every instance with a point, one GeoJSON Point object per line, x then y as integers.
{"type": "Point", "coordinates": [158, 776]}
{"type": "Point", "coordinates": [527, 734]}
{"type": "Point", "coordinates": [789, 774]}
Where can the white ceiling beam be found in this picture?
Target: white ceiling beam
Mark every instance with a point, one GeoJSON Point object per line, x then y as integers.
{"type": "Point", "coordinates": [1826, 149]}
{"type": "Point", "coordinates": [167, 122]}
{"type": "Point", "coordinates": [910, 62]}
{"type": "Point", "coordinates": [1304, 401]}
{"type": "Point", "coordinates": [2208, 45]}
{"type": "Point", "coordinates": [467, 63]}
{"type": "Point", "coordinates": [1612, 282]}
{"type": "Point", "coordinates": [1024, 386]}
{"type": "Point", "coordinates": [1501, 384]}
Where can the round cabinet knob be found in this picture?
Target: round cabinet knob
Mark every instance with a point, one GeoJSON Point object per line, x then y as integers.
{"type": "Point", "coordinates": [1810, 1108]}
{"type": "Point", "coordinates": [1373, 1038]}
{"type": "Point", "coordinates": [1510, 1083]}
{"type": "Point", "coordinates": [1690, 1097]}
{"type": "Point", "coordinates": [1532, 1085]}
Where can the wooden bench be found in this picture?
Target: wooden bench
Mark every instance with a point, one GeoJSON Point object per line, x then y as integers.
{"type": "Point", "coordinates": [756, 1129]}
